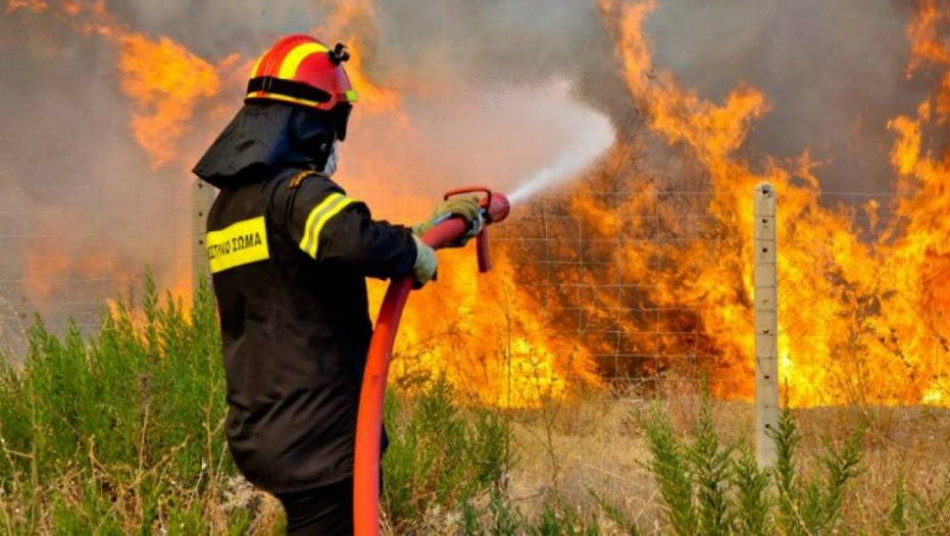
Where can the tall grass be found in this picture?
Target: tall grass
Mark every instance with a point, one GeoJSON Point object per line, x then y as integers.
{"type": "Point", "coordinates": [439, 458]}
{"type": "Point", "coordinates": [711, 488]}
{"type": "Point", "coordinates": [120, 432]}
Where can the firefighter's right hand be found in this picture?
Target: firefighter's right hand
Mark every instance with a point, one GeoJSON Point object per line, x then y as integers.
{"type": "Point", "coordinates": [424, 269]}
{"type": "Point", "coordinates": [466, 207]}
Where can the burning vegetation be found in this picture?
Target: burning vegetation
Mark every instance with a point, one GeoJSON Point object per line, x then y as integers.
{"type": "Point", "coordinates": [641, 268]}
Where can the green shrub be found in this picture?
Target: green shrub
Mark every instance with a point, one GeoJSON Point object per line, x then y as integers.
{"type": "Point", "coordinates": [710, 488]}
{"type": "Point", "coordinates": [438, 456]}
{"type": "Point", "coordinates": [119, 430]}
{"type": "Point", "coordinates": [753, 498]}
{"type": "Point", "coordinates": [812, 505]}
{"type": "Point", "coordinates": [672, 471]}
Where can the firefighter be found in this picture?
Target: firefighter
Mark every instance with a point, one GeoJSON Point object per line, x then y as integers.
{"type": "Point", "coordinates": [289, 252]}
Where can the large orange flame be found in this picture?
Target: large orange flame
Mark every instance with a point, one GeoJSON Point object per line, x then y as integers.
{"type": "Point", "coordinates": [487, 338]}
{"type": "Point", "coordinates": [861, 319]}
{"type": "Point", "coordinates": [165, 81]}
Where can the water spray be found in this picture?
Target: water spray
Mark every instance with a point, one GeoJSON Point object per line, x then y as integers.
{"type": "Point", "coordinates": [369, 424]}
{"type": "Point", "coordinates": [571, 162]}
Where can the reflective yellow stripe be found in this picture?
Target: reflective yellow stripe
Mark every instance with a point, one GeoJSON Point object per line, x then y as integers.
{"type": "Point", "coordinates": [288, 69]}
{"type": "Point", "coordinates": [351, 95]}
{"type": "Point", "coordinates": [244, 242]}
{"type": "Point", "coordinates": [319, 216]}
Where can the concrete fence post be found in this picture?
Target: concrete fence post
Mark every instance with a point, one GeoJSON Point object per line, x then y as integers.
{"type": "Point", "coordinates": [766, 324]}
{"type": "Point", "coordinates": [202, 195]}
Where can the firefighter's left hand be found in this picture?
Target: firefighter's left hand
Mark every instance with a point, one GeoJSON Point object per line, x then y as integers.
{"type": "Point", "coordinates": [424, 268]}
{"type": "Point", "coordinates": [466, 207]}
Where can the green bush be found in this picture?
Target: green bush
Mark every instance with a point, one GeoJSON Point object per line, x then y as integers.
{"type": "Point", "coordinates": [438, 456]}
{"type": "Point", "coordinates": [118, 432]}
{"type": "Point", "coordinates": [710, 488]}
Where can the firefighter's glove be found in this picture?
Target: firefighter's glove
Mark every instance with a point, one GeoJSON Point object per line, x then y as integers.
{"type": "Point", "coordinates": [466, 207]}
{"type": "Point", "coordinates": [424, 269]}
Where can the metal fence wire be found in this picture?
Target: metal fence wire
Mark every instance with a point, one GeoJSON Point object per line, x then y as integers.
{"type": "Point", "coordinates": [68, 250]}
{"type": "Point", "coordinates": [578, 277]}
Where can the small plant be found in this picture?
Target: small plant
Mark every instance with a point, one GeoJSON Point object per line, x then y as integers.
{"type": "Point", "coordinates": [707, 487]}
{"type": "Point", "coordinates": [438, 456]}
{"type": "Point", "coordinates": [712, 468]}
{"type": "Point", "coordinates": [753, 498]}
{"type": "Point", "coordinates": [672, 471]}
{"type": "Point", "coordinates": [897, 517]}
{"type": "Point", "coordinates": [812, 505]}
{"type": "Point", "coordinates": [120, 431]}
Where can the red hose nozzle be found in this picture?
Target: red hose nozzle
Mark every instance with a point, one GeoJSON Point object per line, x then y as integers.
{"type": "Point", "coordinates": [495, 208]}
{"type": "Point", "coordinates": [495, 204]}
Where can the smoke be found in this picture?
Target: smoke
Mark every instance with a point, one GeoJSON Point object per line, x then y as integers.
{"type": "Point", "coordinates": [490, 91]}
{"type": "Point", "coordinates": [70, 176]}
{"type": "Point", "coordinates": [834, 73]}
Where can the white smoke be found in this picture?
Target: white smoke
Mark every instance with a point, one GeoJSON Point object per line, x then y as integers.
{"type": "Point", "coordinates": [594, 134]}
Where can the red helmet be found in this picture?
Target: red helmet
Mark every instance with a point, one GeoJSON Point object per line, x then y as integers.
{"type": "Point", "coordinates": [301, 70]}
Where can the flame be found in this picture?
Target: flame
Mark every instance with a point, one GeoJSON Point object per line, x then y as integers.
{"type": "Point", "coordinates": [861, 319]}
{"type": "Point", "coordinates": [858, 321]}
{"type": "Point", "coordinates": [927, 35]}
{"type": "Point", "coordinates": [354, 22]}
{"type": "Point", "coordinates": [49, 274]}
{"type": "Point", "coordinates": [484, 335]}
{"type": "Point", "coordinates": [38, 6]}
{"type": "Point", "coordinates": [513, 359]}
{"type": "Point", "coordinates": [487, 339]}
{"type": "Point", "coordinates": [164, 81]}
{"type": "Point", "coordinates": [54, 270]}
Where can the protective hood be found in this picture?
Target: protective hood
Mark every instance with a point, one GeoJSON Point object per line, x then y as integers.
{"type": "Point", "coordinates": [265, 139]}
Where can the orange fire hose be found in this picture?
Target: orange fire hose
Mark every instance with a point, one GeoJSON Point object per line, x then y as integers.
{"type": "Point", "coordinates": [369, 424]}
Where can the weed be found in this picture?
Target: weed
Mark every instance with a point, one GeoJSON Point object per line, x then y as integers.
{"type": "Point", "coordinates": [120, 431]}
{"type": "Point", "coordinates": [438, 456]}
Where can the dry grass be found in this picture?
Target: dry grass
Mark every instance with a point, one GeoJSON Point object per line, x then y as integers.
{"type": "Point", "coordinates": [122, 432]}
{"type": "Point", "coordinates": [595, 444]}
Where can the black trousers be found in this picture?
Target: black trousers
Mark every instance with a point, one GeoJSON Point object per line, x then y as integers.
{"type": "Point", "coordinates": [323, 511]}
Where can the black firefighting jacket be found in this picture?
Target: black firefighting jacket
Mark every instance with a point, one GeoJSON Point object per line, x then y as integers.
{"type": "Point", "coordinates": [289, 254]}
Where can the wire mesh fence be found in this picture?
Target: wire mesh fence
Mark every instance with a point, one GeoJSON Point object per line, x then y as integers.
{"type": "Point", "coordinates": [627, 291]}
{"type": "Point", "coordinates": [616, 286]}
{"type": "Point", "coordinates": [572, 269]}
{"type": "Point", "coordinates": [68, 251]}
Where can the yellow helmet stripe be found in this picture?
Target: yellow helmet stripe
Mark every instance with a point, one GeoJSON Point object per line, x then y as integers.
{"type": "Point", "coordinates": [288, 68]}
